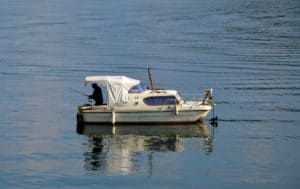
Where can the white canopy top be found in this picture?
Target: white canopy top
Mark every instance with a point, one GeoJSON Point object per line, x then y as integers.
{"type": "Point", "coordinates": [117, 87]}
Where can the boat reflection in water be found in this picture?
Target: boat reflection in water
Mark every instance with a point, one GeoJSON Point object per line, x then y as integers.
{"type": "Point", "coordinates": [131, 148]}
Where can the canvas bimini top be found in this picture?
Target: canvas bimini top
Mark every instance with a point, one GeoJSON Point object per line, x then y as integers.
{"type": "Point", "coordinates": [117, 86]}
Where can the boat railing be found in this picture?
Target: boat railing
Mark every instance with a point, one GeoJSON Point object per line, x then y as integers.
{"type": "Point", "coordinates": [205, 98]}
{"type": "Point", "coordinates": [192, 97]}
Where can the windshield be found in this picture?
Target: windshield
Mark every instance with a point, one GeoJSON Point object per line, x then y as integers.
{"type": "Point", "coordinates": [136, 89]}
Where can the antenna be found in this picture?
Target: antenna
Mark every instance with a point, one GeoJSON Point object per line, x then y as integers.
{"type": "Point", "coordinates": [150, 77]}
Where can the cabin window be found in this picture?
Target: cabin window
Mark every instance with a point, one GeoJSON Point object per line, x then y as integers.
{"type": "Point", "coordinates": [136, 89]}
{"type": "Point", "coordinates": [160, 100]}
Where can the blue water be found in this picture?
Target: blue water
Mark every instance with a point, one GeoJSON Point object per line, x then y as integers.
{"type": "Point", "coordinates": [247, 51]}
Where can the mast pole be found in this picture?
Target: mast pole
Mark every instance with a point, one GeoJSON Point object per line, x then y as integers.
{"type": "Point", "coordinates": [150, 77]}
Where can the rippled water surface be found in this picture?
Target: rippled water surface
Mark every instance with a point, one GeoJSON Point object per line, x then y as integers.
{"type": "Point", "coordinates": [246, 50]}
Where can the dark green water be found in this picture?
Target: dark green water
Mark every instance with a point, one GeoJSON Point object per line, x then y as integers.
{"type": "Point", "coordinates": [247, 50]}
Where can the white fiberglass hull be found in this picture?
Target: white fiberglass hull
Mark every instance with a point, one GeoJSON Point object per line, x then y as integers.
{"type": "Point", "coordinates": [146, 116]}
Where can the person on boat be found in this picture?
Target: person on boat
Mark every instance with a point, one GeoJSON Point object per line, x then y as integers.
{"type": "Point", "coordinates": [97, 95]}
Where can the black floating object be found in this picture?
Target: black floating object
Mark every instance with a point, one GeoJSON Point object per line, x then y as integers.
{"type": "Point", "coordinates": [214, 121]}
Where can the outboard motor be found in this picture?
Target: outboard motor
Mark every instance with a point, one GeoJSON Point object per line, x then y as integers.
{"type": "Point", "coordinates": [208, 96]}
{"type": "Point", "coordinates": [209, 100]}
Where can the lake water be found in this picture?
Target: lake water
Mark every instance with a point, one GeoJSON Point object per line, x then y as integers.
{"type": "Point", "coordinates": [248, 51]}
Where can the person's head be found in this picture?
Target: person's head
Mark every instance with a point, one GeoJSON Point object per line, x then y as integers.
{"type": "Point", "coordinates": [94, 85]}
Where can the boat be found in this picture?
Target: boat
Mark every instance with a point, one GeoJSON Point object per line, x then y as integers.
{"type": "Point", "coordinates": [129, 103]}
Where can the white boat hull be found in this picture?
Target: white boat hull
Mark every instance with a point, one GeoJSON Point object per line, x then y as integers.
{"type": "Point", "coordinates": [167, 116]}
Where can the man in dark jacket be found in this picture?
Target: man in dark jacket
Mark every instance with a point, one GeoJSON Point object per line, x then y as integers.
{"type": "Point", "coordinates": [97, 95]}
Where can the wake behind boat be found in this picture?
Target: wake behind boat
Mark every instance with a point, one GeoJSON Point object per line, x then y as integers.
{"type": "Point", "coordinates": [128, 102]}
